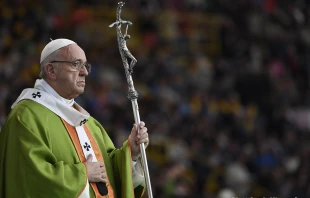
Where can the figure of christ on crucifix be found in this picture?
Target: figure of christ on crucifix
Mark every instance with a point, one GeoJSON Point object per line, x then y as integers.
{"type": "Point", "coordinates": [125, 53]}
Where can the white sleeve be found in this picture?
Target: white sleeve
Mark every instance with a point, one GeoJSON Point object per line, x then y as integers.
{"type": "Point", "coordinates": [137, 174]}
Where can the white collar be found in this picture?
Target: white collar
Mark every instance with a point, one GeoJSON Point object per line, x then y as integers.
{"type": "Point", "coordinates": [44, 86]}
{"type": "Point", "coordinates": [48, 97]}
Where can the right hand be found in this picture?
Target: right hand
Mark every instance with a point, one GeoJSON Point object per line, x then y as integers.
{"type": "Point", "coordinates": [95, 170]}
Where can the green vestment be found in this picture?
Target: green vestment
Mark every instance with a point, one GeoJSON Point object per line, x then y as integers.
{"type": "Point", "coordinates": [38, 158]}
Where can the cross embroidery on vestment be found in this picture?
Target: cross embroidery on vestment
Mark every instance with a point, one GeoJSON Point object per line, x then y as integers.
{"type": "Point", "coordinates": [83, 122]}
{"type": "Point", "coordinates": [34, 95]}
{"type": "Point", "coordinates": [87, 146]}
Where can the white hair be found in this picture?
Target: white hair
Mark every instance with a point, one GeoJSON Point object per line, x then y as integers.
{"type": "Point", "coordinates": [52, 57]}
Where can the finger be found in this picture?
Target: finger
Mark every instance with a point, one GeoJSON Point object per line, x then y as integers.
{"type": "Point", "coordinates": [142, 124]}
{"type": "Point", "coordinates": [103, 178]}
{"type": "Point", "coordinates": [89, 158]}
{"type": "Point", "coordinates": [144, 140]}
{"type": "Point", "coordinates": [142, 131]}
{"type": "Point", "coordinates": [101, 164]}
{"type": "Point", "coordinates": [142, 134]}
{"type": "Point", "coordinates": [142, 137]}
{"type": "Point", "coordinates": [134, 128]}
{"type": "Point", "coordinates": [102, 170]}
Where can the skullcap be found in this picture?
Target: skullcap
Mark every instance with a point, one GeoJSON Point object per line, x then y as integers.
{"type": "Point", "coordinates": [53, 46]}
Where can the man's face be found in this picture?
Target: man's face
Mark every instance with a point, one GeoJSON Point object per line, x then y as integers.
{"type": "Point", "coordinates": [70, 82]}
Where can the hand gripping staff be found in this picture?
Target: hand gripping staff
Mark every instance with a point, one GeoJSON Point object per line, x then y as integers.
{"type": "Point", "coordinates": [132, 93]}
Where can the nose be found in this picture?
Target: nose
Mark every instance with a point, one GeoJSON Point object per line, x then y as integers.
{"type": "Point", "coordinates": [83, 71]}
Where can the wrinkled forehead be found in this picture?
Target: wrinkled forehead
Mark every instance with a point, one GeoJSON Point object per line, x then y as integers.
{"type": "Point", "coordinates": [73, 52]}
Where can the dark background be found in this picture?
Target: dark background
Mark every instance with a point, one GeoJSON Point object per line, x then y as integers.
{"type": "Point", "coordinates": [223, 86]}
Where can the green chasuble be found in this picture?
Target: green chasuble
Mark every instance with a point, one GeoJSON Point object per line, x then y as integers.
{"type": "Point", "coordinates": [38, 158]}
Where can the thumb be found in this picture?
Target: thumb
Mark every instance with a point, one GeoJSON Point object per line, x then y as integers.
{"type": "Point", "coordinates": [89, 158]}
{"type": "Point", "coordinates": [135, 128]}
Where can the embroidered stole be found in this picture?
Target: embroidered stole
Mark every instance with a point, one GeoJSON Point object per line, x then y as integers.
{"type": "Point", "coordinates": [81, 136]}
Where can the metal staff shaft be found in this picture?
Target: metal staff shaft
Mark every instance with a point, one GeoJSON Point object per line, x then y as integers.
{"type": "Point", "coordinates": [135, 109]}
{"type": "Point", "coordinates": [132, 93]}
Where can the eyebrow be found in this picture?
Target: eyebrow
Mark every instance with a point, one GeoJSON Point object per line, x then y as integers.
{"type": "Point", "coordinates": [79, 60]}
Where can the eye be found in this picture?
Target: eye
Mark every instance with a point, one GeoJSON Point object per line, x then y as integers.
{"type": "Point", "coordinates": [76, 63]}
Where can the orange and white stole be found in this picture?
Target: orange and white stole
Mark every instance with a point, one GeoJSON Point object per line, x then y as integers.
{"type": "Point", "coordinates": [85, 144]}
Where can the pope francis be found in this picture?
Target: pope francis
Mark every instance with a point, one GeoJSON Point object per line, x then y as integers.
{"type": "Point", "coordinates": [51, 147]}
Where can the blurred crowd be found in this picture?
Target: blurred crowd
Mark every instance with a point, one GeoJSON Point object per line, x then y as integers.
{"type": "Point", "coordinates": [223, 86]}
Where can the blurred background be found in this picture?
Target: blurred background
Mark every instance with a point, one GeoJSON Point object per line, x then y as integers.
{"type": "Point", "coordinates": [223, 86]}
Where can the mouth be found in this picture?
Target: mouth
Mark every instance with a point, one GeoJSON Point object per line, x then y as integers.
{"type": "Point", "coordinates": [81, 82]}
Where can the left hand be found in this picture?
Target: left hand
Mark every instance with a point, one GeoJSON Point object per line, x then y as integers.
{"type": "Point", "coordinates": [135, 139]}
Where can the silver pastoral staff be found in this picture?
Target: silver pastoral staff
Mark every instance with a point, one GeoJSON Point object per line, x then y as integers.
{"type": "Point", "coordinates": [132, 93]}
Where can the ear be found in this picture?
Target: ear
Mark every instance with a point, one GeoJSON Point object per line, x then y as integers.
{"type": "Point", "coordinates": [50, 71]}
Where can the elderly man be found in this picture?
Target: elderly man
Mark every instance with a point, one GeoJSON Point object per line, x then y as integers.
{"type": "Point", "coordinates": [51, 147]}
